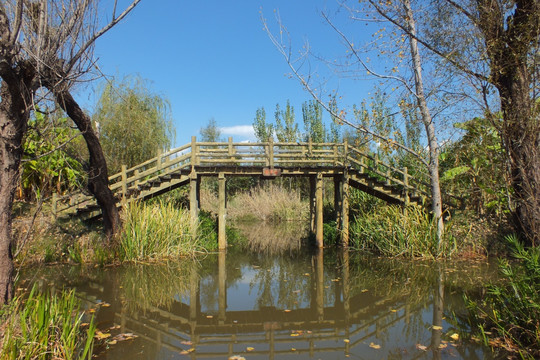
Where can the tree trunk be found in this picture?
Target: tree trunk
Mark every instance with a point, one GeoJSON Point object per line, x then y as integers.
{"type": "Point", "coordinates": [509, 39]}
{"type": "Point", "coordinates": [436, 199]}
{"type": "Point", "coordinates": [98, 179]}
{"type": "Point", "coordinates": [13, 125]}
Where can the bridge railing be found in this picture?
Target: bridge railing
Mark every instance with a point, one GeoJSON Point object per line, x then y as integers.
{"type": "Point", "coordinates": [266, 154]}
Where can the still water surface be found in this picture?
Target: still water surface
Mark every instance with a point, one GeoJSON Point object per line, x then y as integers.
{"type": "Point", "coordinates": [306, 305]}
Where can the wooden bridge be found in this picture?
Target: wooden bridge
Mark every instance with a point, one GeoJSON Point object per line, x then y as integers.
{"type": "Point", "coordinates": [186, 165]}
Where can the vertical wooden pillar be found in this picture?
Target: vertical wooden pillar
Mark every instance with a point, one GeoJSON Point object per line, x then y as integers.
{"type": "Point", "coordinates": [312, 186]}
{"type": "Point", "coordinates": [222, 279]}
{"type": "Point", "coordinates": [222, 239]}
{"type": "Point", "coordinates": [344, 227]}
{"type": "Point", "coordinates": [319, 211]}
{"type": "Point", "coordinates": [194, 197]}
{"type": "Point", "coordinates": [338, 199]}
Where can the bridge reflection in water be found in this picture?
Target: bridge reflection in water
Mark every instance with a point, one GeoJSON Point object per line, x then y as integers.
{"type": "Point", "coordinates": [269, 310]}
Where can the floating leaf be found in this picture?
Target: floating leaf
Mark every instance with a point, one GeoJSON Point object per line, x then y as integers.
{"type": "Point", "coordinates": [100, 335]}
{"type": "Point", "coordinates": [443, 346]}
{"type": "Point", "coordinates": [436, 327]}
{"type": "Point", "coordinates": [454, 336]}
{"type": "Point", "coordinates": [421, 347]}
{"type": "Point", "coordinates": [112, 342]}
{"type": "Point", "coordinates": [249, 348]}
{"type": "Point", "coordinates": [374, 346]}
{"type": "Point", "coordinates": [346, 341]}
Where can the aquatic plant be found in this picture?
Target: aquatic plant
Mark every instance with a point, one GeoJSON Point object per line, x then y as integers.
{"type": "Point", "coordinates": [395, 231]}
{"type": "Point", "coordinates": [46, 326]}
{"type": "Point", "coordinates": [508, 316]}
{"type": "Point", "coordinates": [158, 230]}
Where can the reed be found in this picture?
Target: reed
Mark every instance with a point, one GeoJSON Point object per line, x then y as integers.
{"type": "Point", "coordinates": [157, 231]}
{"type": "Point", "coordinates": [508, 315]}
{"type": "Point", "coordinates": [394, 231]}
{"type": "Point", "coordinates": [46, 326]}
{"type": "Point", "coordinates": [271, 203]}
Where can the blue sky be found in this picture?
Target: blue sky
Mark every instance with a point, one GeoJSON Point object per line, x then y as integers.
{"type": "Point", "coordinates": [212, 59]}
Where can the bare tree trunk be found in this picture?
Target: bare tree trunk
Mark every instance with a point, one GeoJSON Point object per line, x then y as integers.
{"type": "Point", "coordinates": [13, 125]}
{"type": "Point", "coordinates": [98, 179]}
{"type": "Point", "coordinates": [436, 205]}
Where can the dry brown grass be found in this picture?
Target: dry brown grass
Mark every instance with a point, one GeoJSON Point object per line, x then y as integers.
{"type": "Point", "coordinates": [269, 203]}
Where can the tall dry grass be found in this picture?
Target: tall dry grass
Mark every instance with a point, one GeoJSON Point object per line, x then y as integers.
{"type": "Point", "coordinates": [270, 203]}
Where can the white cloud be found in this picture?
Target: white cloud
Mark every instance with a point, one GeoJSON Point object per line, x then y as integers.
{"type": "Point", "coordinates": [245, 131]}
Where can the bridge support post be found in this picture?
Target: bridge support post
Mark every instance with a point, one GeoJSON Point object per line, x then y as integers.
{"type": "Point", "coordinates": [338, 199]}
{"type": "Point", "coordinates": [222, 287]}
{"type": "Point", "coordinates": [344, 226]}
{"type": "Point", "coordinates": [312, 200]}
{"type": "Point", "coordinates": [319, 211]}
{"type": "Point", "coordinates": [222, 239]}
{"type": "Point", "coordinates": [194, 200]}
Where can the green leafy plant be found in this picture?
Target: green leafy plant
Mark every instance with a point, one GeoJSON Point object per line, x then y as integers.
{"type": "Point", "coordinates": [508, 316]}
{"type": "Point", "coordinates": [47, 326]}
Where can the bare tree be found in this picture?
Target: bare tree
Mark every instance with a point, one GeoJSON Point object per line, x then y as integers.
{"type": "Point", "coordinates": [45, 47]}
{"type": "Point", "coordinates": [492, 46]}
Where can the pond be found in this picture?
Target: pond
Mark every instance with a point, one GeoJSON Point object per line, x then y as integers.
{"type": "Point", "coordinates": [302, 304]}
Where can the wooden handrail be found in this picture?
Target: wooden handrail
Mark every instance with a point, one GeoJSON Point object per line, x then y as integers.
{"type": "Point", "coordinates": [268, 154]}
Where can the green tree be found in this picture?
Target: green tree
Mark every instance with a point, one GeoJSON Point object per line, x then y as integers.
{"type": "Point", "coordinates": [263, 130]}
{"type": "Point", "coordinates": [211, 132]}
{"type": "Point", "coordinates": [286, 127]}
{"type": "Point", "coordinates": [134, 123]}
{"type": "Point", "coordinates": [312, 112]}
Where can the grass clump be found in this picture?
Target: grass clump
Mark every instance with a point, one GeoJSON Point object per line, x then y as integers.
{"type": "Point", "coordinates": [394, 231]}
{"type": "Point", "coordinates": [508, 316]}
{"type": "Point", "coordinates": [45, 326]}
{"type": "Point", "coordinates": [157, 231]}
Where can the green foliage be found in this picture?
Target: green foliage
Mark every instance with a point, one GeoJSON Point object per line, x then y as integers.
{"type": "Point", "coordinates": [473, 168]}
{"type": "Point", "coordinates": [394, 231]}
{"type": "Point", "coordinates": [47, 165]}
{"type": "Point", "coordinates": [286, 128]}
{"type": "Point", "coordinates": [46, 326]}
{"type": "Point", "coordinates": [313, 122]}
{"type": "Point", "coordinates": [134, 124]}
{"type": "Point", "coordinates": [263, 131]}
{"type": "Point", "coordinates": [211, 132]}
{"type": "Point", "coordinates": [157, 231]}
{"type": "Point", "coordinates": [509, 314]}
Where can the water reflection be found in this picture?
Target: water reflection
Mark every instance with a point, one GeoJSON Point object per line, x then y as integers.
{"type": "Point", "coordinates": [319, 305]}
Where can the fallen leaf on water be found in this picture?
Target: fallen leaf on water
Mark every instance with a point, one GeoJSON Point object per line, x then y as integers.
{"type": "Point", "coordinates": [104, 304]}
{"type": "Point", "coordinates": [454, 336]}
{"type": "Point", "coordinates": [364, 290]}
{"type": "Point", "coordinates": [249, 348]}
{"type": "Point", "coordinates": [112, 342]}
{"type": "Point", "coordinates": [436, 327]}
{"type": "Point", "coordinates": [421, 347]}
{"type": "Point", "coordinates": [346, 341]}
{"type": "Point", "coordinates": [114, 327]}
{"type": "Point", "coordinates": [209, 316]}
{"type": "Point", "coordinates": [295, 334]}
{"type": "Point", "coordinates": [293, 349]}
{"type": "Point", "coordinates": [374, 346]}
{"type": "Point", "coordinates": [306, 274]}
{"type": "Point", "coordinates": [443, 346]}
{"type": "Point", "coordinates": [393, 310]}
{"type": "Point", "coordinates": [185, 342]}
{"type": "Point", "coordinates": [287, 310]}
{"type": "Point", "coordinates": [100, 335]}
{"type": "Point", "coordinates": [236, 357]}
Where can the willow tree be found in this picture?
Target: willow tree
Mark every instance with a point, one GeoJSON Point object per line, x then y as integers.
{"type": "Point", "coordinates": [134, 123]}
{"type": "Point", "coordinates": [45, 47]}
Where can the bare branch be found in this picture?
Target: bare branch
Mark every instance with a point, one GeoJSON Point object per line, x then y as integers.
{"type": "Point", "coordinates": [428, 46]}
{"type": "Point", "coordinates": [305, 83]}
{"type": "Point", "coordinates": [103, 30]}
